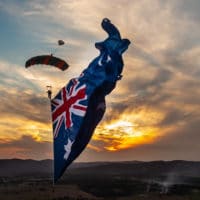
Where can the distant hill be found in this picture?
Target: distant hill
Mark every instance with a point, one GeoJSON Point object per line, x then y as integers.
{"type": "Point", "coordinates": [18, 167]}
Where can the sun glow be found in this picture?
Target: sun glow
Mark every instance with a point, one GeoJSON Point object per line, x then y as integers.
{"type": "Point", "coordinates": [124, 126]}
{"type": "Point", "coordinates": [129, 130]}
{"type": "Point", "coordinates": [39, 131]}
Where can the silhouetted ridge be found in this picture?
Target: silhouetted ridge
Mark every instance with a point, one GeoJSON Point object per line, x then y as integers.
{"type": "Point", "coordinates": [19, 167]}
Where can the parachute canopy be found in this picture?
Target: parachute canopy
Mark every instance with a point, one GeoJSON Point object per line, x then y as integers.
{"type": "Point", "coordinates": [47, 60]}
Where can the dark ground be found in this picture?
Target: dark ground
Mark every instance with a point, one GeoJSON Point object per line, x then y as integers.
{"type": "Point", "coordinates": [172, 180]}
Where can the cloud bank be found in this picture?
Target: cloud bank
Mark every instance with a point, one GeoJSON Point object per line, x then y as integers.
{"type": "Point", "coordinates": [154, 111]}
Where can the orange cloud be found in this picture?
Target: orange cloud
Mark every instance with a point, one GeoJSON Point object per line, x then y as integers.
{"type": "Point", "coordinates": [129, 129]}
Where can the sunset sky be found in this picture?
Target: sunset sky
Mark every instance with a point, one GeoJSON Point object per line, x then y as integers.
{"type": "Point", "coordinates": [153, 113]}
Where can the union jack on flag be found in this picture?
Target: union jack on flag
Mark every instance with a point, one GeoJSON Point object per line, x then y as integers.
{"type": "Point", "coordinates": [67, 102]}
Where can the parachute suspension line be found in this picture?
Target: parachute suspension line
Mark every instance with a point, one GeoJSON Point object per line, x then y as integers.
{"type": "Point", "coordinates": [59, 43]}
{"type": "Point", "coordinates": [53, 51]}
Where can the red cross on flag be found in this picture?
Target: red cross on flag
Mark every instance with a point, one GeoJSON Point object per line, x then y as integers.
{"type": "Point", "coordinates": [66, 105]}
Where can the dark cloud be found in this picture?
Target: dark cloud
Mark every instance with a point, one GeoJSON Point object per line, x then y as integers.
{"type": "Point", "coordinates": [27, 147]}
{"type": "Point", "coordinates": [186, 9]}
{"type": "Point", "coordinates": [145, 91]}
{"type": "Point", "coordinates": [160, 76]}
{"type": "Point", "coordinates": [172, 117]}
{"type": "Point", "coordinates": [142, 54]}
{"type": "Point", "coordinates": [182, 143]}
{"type": "Point", "coordinates": [24, 105]}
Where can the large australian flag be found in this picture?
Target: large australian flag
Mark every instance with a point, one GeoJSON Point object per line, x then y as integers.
{"type": "Point", "coordinates": [80, 105]}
